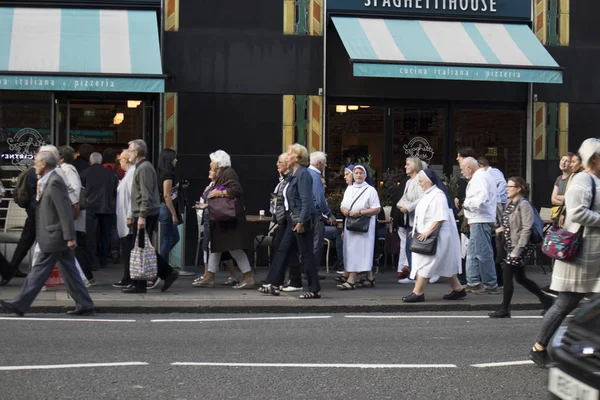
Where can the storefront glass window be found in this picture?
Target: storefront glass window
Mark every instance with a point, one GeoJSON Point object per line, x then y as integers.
{"type": "Point", "coordinates": [354, 134]}
{"type": "Point", "coordinates": [498, 135]}
{"type": "Point", "coordinates": [111, 124]}
{"type": "Point", "coordinates": [419, 132]}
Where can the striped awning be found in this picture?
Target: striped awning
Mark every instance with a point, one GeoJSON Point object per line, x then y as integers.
{"type": "Point", "coordinates": [394, 48]}
{"type": "Point", "coordinates": [80, 50]}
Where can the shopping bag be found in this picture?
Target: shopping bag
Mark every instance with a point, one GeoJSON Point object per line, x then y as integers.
{"type": "Point", "coordinates": [142, 262]}
{"type": "Point", "coordinates": [55, 279]}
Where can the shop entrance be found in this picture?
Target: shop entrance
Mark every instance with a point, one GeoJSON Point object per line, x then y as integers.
{"type": "Point", "coordinates": [107, 124]}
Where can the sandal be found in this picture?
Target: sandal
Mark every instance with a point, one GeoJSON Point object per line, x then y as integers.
{"type": "Point", "coordinates": [310, 295]}
{"type": "Point", "coordinates": [366, 283]}
{"type": "Point", "coordinates": [340, 279]}
{"type": "Point", "coordinates": [231, 282]}
{"type": "Point", "coordinates": [346, 286]}
{"type": "Point", "coordinates": [269, 290]}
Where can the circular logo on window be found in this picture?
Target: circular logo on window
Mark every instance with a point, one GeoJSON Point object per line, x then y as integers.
{"type": "Point", "coordinates": [419, 147]}
{"type": "Point", "coordinates": [23, 147]}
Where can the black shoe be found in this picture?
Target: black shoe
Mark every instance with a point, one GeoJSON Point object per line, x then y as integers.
{"type": "Point", "coordinates": [321, 277]}
{"type": "Point", "coordinates": [549, 292]}
{"type": "Point", "coordinates": [10, 309]}
{"type": "Point", "coordinates": [82, 313]}
{"type": "Point", "coordinates": [4, 281]}
{"type": "Point", "coordinates": [134, 289]}
{"type": "Point", "coordinates": [122, 284]}
{"type": "Point", "coordinates": [413, 298]}
{"type": "Point", "coordinates": [454, 295]}
{"type": "Point", "coordinates": [501, 313]}
{"type": "Point", "coordinates": [540, 358]}
{"type": "Point", "coordinates": [20, 274]}
{"type": "Point", "coordinates": [169, 281]}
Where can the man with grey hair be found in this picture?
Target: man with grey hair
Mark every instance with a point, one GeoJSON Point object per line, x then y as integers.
{"type": "Point", "coordinates": [101, 186]}
{"type": "Point", "coordinates": [145, 207]}
{"type": "Point", "coordinates": [55, 234]}
{"type": "Point", "coordinates": [318, 163]}
{"type": "Point", "coordinates": [480, 210]}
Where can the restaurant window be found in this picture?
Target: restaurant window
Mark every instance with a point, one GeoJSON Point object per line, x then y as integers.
{"type": "Point", "coordinates": [498, 135]}
{"type": "Point", "coordinates": [420, 132]}
{"type": "Point", "coordinates": [355, 133]}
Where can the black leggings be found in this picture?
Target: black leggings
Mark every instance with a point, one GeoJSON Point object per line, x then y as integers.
{"type": "Point", "coordinates": [564, 304]}
{"type": "Point", "coordinates": [518, 273]}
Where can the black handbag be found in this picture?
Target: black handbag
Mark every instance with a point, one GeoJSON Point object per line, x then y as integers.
{"type": "Point", "coordinates": [426, 247]}
{"type": "Point", "coordinates": [360, 224]}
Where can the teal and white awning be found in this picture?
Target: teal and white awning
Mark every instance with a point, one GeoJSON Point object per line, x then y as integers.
{"type": "Point", "coordinates": [79, 50]}
{"type": "Point", "coordinates": [394, 48]}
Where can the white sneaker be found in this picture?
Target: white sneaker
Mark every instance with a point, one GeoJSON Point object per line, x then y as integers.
{"type": "Point", "coordinates": [291, 289]}
{"type": "Point", "coordinates": [406, 280]}
{"type": "Point", "coordinates": [434, 279]}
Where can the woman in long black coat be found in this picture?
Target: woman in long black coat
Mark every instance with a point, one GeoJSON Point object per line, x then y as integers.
{"type": "Point", "coordinates": [227, 235]}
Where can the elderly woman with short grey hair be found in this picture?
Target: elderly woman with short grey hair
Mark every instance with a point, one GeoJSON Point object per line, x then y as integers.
{"type": "Point", "coordinates": [581, 275]}
{"type": "Point", "coordinates": [227, 235]}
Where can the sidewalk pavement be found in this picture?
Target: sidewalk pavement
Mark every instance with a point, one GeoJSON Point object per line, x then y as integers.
{"type": "Point", "coordinates": [182, 297]}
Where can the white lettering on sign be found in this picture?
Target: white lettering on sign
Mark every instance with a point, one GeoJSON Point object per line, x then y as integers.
{"type": "Point", "coordinates": [24, 145]}
{"type": "Point", "coordinates": [451, 5]}
{"type": "Point", "coordinates": [419, 147]}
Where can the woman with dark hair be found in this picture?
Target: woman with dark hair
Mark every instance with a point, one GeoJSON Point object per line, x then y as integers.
{"type": "Point", "coordinates": [434, 215]}
{"type": "Point", "coordinates": [517, 222]}
{"type": "Point", "coordinates": [169, 189]}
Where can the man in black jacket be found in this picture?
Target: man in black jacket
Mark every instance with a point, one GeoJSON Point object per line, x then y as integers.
{"type": "Point", "coordinates": [82, 162]}
{"type": "Point", "coordinates": [101, 186]}
{"type": "Point", "coordinates": [28, 234]}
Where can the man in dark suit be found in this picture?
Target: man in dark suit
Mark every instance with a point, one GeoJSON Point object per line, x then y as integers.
{"type": "Point", "coordinates": [55, 234]}
{"type": "Point", "coordinates": [101, 186]}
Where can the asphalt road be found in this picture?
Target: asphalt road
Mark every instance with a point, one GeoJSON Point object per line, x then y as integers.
{"type": "Point", "coordinates": [335, 356]}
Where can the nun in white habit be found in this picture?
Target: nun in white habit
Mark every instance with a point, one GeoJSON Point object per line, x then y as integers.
{"type": "Point", "coordinates": [434, 214]}
{"type": "Point", "coordinates": [360, 199]}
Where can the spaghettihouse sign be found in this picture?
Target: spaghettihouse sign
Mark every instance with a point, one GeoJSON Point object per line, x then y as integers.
{"type": "Point", "coordinates": [517, 10]}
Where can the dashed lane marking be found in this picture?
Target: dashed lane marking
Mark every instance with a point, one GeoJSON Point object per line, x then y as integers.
{"type": "Point", "coordinates": [502, 364]}
{"type": "Point", "coordinates": [74, 319]}
{"type": "Point", "coordinates": [66, 366]}
{"type": "Point", "coordinates": [294, 365]}
{"type": "Point", "coordinates": [240, 319]}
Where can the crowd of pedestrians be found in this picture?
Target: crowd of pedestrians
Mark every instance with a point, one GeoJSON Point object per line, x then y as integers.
{"type": "Point", "coordinates": [79, 210]}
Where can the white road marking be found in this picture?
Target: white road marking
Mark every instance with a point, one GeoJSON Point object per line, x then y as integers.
{"type": "Point", "coordinates": [293, 365]}
{"type": "Point", "coordinates": [65, 319]}
{"type": "Point", "coordinates": [435, 316]}
{"type": "Point", "coordinates": [502, 364]}
{"type": "Point", "coordinates": [238, 319]}
{"type": "Point", "coordinates": [65, 366]}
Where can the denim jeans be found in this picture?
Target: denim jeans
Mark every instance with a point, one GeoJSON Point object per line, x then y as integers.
{"type": "Point", "coordinates": [169, 234]}
{"type": "Point", "coordinates": [334, 234]}
{"type": "Point", "coordinates": [481, 268]}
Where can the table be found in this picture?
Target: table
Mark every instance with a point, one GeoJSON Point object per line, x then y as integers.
{"type": "Point", "coordinates": [258, 218]}
{"type": "Point", "coordinates": [259, 239]}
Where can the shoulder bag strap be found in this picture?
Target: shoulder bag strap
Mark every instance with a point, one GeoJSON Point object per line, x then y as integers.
{"type": "Point", "coordinates": [358, 197]}
{"type": "Point", "coordinates": [593, 193]}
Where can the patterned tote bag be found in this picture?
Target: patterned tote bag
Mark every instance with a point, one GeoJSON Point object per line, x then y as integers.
{"type": "Point", "coordinates": [142, 263]}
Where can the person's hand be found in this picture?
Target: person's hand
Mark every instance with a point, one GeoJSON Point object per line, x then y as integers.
{"type": "Point", "coordinates": [561, 220]}
{"type": "Point", "coordinates": [332, 221]}
{"type": "Point", "coordinates": [423, 236]}
{"type": "Point", "coordinates": [215, 193]}
{"type": "Point", "coordinates": [457, 203]}
{"type": "Point", "coordinates": [299, 227]}
{"type": "Point", "coordinates": [76, 210]}
{"type": "Point", "coordinates": [354, 214]}
{"type": "Point", "coordinates": [202, 206]}
{"type": "Point", "coordinates": [404, 209]}
{"type": "Point", "coordinates": [175, 220]}
{"type": "Point", "coordinates": [141, 223]}
{"type": "Point", "coordinates": [499, 231]}
{"type": "Point", "coordinates": [72, 244]}
{"type": "Point", "coordinates": [129, 222]}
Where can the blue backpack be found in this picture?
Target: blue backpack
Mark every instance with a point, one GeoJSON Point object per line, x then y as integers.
{"type": "Point", "coordinates": [537, 230]}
